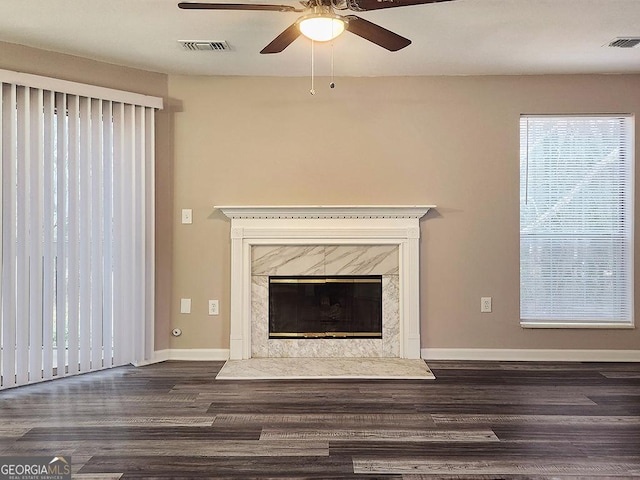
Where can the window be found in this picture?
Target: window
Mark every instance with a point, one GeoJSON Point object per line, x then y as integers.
{"type": "Point", "coordinates": [576, 221]}
{"type": "Point", "coordinates": [76, 228]}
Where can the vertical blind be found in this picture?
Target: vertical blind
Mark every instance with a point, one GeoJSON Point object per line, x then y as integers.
{"type": "Point", "coordinates": [576, 220]}
{"type": "Point", "coordinates": [76, 226]}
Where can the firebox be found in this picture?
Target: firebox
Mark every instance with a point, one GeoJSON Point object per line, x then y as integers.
{"type": "Point", "coordinates": [325, 306]}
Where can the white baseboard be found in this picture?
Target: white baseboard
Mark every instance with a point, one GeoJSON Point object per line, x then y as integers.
{"type": "Point", "coordinates": [530, 355]}
{"type": "Point", "coordinates": [158, 356]}
{"type": "Point", "coordinates": [200, 354]}
{"type": "Point", "coordinates": [147, 362]}
{"type": "Point", "coordinates": [161, 355]}
{"type": "Point", "coordinates": [513, 355]}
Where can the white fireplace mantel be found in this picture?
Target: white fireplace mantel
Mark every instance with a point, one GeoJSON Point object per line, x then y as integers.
{"type": "Point", "coordinates": [325, 225]}
{"type": "Point", "coordinates": [328, 211]}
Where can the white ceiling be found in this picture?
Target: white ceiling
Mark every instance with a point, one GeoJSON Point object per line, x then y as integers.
{"type": "Point", "coordinates": [461, 37]}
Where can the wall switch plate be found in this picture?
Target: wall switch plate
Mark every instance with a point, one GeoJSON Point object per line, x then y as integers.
{"type": "Point", "coordinates": [187, 216]}
{"type": "Point", "coordinates": [214, 307]}
{"type": "Point", "coordinates": [185, 305]}
{"type": "Point", "coordinates": [485, 305]}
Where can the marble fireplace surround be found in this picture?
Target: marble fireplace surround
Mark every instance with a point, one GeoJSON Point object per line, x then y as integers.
{"type": "Point", "coordinates": [266, 238]}
{"type": "Point", "coordinates": [324, 260]}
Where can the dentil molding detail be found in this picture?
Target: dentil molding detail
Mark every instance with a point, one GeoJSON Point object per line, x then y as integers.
{"type": "Point", "coordinates": [326, 211]}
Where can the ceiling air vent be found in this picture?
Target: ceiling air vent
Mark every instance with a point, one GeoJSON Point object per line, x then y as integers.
{"type": "Point", "coordinates": [205, 46]}
{"type": "Point", "coordinates": [627, 42]}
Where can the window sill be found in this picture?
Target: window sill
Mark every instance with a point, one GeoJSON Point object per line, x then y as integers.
{"type": "Point", "coordinates": [577, 325]}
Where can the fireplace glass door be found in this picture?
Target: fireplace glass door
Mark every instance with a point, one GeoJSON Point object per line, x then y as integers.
{"type": "Point", "coordinates": [325, 307]}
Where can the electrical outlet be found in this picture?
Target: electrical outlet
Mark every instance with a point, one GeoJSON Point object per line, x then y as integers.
{"type": "Point", "coordinates": [485, 305]}
{"type": "Point", "coordinates": [213, 307]}
{"type": "Point", "coordinates": [187, 216]}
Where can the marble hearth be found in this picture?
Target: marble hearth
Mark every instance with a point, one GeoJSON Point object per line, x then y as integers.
{"type": "Point", "coordinates": [324, 240]}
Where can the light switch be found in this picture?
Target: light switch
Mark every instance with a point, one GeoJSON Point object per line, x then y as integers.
{"type": "Point", "coordinates": [187, 216]}
{"type": "Point", "coordinates": [185, 305]}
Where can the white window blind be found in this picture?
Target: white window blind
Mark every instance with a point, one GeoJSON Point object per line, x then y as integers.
{"type": "Point", "coordinates": [576, 220]}
{"type": "Point", "coordinates": [77, 221]}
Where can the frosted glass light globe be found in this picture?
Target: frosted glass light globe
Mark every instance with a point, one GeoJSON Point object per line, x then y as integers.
{"type": "Point", "coordinates": [321, 28]}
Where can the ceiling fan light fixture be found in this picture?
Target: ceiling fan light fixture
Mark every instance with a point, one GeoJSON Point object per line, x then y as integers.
{"type": "Point", "coordinates": [321, 27]}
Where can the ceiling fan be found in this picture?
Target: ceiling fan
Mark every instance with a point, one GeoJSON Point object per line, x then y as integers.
{"type": "Point", "coordinates": [322, 23]}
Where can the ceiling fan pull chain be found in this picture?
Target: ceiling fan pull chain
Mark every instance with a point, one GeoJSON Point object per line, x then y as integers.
{"type": "Point", "coordinates": [313, 90]}
{"type": "Point", "coordinates": [332, 84]}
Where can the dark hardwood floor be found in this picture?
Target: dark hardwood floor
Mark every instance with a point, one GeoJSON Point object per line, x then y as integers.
{"type": "Point", "coordinates": [476, 420]}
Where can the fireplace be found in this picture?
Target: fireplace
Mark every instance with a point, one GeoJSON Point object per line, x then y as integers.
{"type": "Point", "coordinates": [324, 241]}
{"type": "Point", "coordinates": [317, 307]}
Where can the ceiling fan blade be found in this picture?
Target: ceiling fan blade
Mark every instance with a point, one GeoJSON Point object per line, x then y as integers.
{"type": "Point", "coordinates": [283, 40]}
{"type": "Point", "coordinates": [237, 6]}
{"type": "Point", "coordinates": [365, 5]}
{"type": "Point", "coordinates": [376, 34]}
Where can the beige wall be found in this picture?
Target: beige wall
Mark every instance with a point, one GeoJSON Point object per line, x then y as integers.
{"type": "Point", "coordinates": [39, 62]}
{"type": "Point", "coordinates": [448, 141]}
{"type": "Point", "coordinates": [452, 141]}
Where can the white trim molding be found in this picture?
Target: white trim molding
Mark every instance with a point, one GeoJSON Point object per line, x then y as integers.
{"type": "Point", "coordinates": [531, 355]}
{"type": "Point", "coordinates": [481, 354]}
{"type": "Point", "coordinates": [526, 324]}
{"type": "Point", "coordinates": [327, 211]}
{"type": "Point", "coordinates": [325, 225]}
{"type": "Point", "coordinates": [191, 354]}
